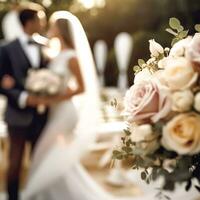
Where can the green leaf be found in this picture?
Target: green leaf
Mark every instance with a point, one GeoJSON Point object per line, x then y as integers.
{"type": "Point", "coordinates": [174, 41]}
{"type": "Point", "coordinates": [188, 186]}
{"type": "Point", "coordinates": [181, 28]}
{"type": "Point", "coordinates": [197, 27]}
{"type": "Point", "coordinates": [127, 149]}
{"type": "Point", "coordinates": [183, 34]}
{"type": "Point", "coordinates": [127, 132]}
{"type": "Point", "coordinates": [117, 155]}
{"type": "Point", "coordinates": [143, 175]}
{"type": "Point", "coordinates": [116, 152]}
{"type": "Point", "coordinates": [148, 181]}
{"type": "Point", "coordinates": [174, 23]}
{"type": "Point", "coordinates": [141, 62]}
{"type": "Point", "coordinates": [154, 174]}
{"type": "Point", "coordinates": [136, 68]}
{"type": "Point", "coordinates": [197, 187]}
{"type": "Point", "coordinates": [169, 30]}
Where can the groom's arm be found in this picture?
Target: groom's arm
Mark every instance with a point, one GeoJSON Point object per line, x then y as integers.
{"type": "Point", "coordinates": [13, 93]}
{"type": "Point", "coordinates": [16, 96]}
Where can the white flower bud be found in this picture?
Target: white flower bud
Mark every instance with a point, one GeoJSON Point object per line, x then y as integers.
{"type": "Point", "coordinates": [155, 48]}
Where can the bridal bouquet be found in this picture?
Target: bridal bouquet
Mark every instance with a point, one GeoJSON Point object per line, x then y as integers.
{"type": "Point", "coordinates": [162, 111]}
{"type": "Point", "coordinates": [43, 82]}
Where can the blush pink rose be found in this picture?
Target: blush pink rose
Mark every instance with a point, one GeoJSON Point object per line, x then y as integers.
{"type": "Point", "coordinates": [147, 100]}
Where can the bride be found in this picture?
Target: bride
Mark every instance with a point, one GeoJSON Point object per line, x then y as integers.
{"type": "Point", "coordinates": [56, 172]}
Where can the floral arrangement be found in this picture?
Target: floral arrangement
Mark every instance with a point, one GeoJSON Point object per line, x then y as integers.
{"type": "Point", "coordinates": [43, 82]}
{"type": "Point", "coordinates": [162, 111]}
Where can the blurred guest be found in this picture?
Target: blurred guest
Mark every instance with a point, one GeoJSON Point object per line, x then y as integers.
{"type": "Point", "coordinates": [11, 25]}
{"type": "Point", "coordinates": [23, 120]}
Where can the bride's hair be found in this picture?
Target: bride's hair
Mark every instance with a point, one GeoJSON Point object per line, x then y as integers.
{"type": "Point", "coordinates": [63, 26]}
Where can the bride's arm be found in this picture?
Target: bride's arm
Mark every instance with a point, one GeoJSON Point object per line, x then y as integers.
{"type": "Point", "coordinates": [75, 69]}
{"type": "Point", "coordinates": [69, 93]}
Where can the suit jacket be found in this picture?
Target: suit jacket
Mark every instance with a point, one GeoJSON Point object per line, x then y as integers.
{"type": "Point", "coordinates": [14, 62]}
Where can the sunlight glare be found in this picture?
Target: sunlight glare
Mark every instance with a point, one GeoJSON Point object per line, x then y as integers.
{"type": "Point", "coordinates": [92, 3]}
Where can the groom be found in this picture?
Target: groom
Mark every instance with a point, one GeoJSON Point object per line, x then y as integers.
{"type": "Point", "coordinates": [23, 120]}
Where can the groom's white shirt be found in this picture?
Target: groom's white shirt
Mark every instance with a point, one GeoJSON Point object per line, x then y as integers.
{"type": "Point", "coordinates": [33, 54]}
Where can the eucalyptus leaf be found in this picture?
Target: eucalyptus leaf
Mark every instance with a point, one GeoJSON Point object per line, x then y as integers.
{"type": "Point", "coordinates": [197, 187]}
{"type": "Point", "coordinates": [136, 68]}
{"type": "Point", "coordinates": [169, 30]}
{"type": "Point", "coordinates": [141, 62]}
{"type": "Point", "coordinates": [143, 175]}
{"type": "Point", "coordinates": [188, 186]}
{"type": "Point", "coordinates": [148, 181]}
{"type": "Point", "coordinates": [174, 41]}
{"type": "Point", "coordinates": [127, 132]}
{"type": "Point", "coordinates": [181, 28]}
{"type": "Point", "coordinates": [154, 174]}
{"type": "Point", "coordinates": [197, 27]}
{"type": "Point", "coordinates": [117, 155]}
{"type": "Point", "coordinates": [174, 23]}
{"type": "Point", "coordinates": [127, 149]}
{"type": "Point", "coordinates": [116, 152]}
{"type": "Point", "coordinates": [183, 34]}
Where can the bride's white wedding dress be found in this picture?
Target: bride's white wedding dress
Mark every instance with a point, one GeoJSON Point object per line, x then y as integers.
{"type": "Point", "coordinates": [75, 183]}
{"type": "Point", "coordinates": [63, 116]}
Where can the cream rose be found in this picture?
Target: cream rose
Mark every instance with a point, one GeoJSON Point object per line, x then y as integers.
{"type": "Point", "coordinates": [179, 49]}
{"type": "Point", "coordinates": [179, 74]}
{"type": "Point", "coordinates": [182, 100]}
{"type": "Point", "coordinates": [182, 134]}
{"type": "Point", "coordinates": [146, 140]}
{"type": "Point", "coordinates": [193, 50]}
{"type": "Point", "coordinates": [163, 62]}
{"type": "Point", "coordinates": [155, 48]}
{"type": "Point", "coordinates": [145, 74]}
{"type": "Point", "coordinates": [197, 102]}
{"type": "Point", "coordinates": [147, 100]}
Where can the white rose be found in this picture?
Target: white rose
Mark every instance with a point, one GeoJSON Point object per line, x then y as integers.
{"type": "Point", "coordinates": [179, 74]}
{"type": "Point", "coordinates": [155, 48]}
{"type": "Point", "coordinates": [182, 100]}
{"type": "Point", "coordinates": [197, 102]}
{"type": "Point", "coordinates": [144, 137]}
{"type": "Point", "coordinates": [178, 50]}
{"type": "Point", "coordinates": [143, 75]}
{"type": "Point", "coordinates": [193, 50]}
{"type": "Point", "coordinates": [182, 134]}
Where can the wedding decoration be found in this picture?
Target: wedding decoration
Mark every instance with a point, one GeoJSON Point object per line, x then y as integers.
{"type": "Point", "coordinates": [123, 49]}
{"type": "Point", "coordinates": [43, 82]}
{"type": "Point", "coordinates": [162, 112]}
{"type": "Point", "coordinates": [100, 54]}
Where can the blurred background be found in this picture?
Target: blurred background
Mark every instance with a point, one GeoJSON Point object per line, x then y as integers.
{"type": "Point", "coordinates": [118, 32]}
{"type": "Point", "coordinates": [105, 19]}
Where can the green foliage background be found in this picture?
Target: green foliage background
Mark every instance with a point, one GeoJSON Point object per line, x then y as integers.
{"type": "Point", "coordinates": [143, 19]}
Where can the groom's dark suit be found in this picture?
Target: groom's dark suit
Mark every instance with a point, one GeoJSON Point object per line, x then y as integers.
{"type": "Point", "coordinates": [24, 124]}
